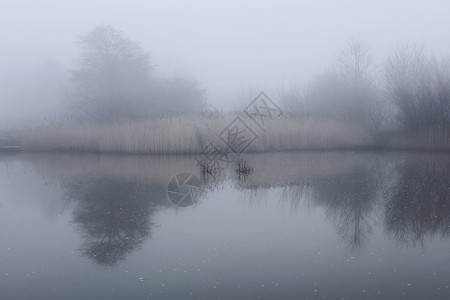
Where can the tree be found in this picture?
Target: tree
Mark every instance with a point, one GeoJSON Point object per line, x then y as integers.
{"type": "Point", "coordinates": [110, 78]}
{"type": "Point", "coordinates": [419, 87]}
{"type": "Point", "coordinates": [293, 99]}
{"type": "Point", "coordinates": [178, 94]}
{"type": "Point", "coordinates": [112, 81]}
{"type": "Point", "coordinates": [349, 90]}
{"type": "Point", "coordinates": [355, 67]}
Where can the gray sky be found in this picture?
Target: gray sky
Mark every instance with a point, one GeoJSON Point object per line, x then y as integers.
{"type": "Point", "coordinates": [226, 45]}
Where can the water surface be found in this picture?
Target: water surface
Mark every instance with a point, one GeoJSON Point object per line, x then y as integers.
{"type": "Point", "coordinates": [310, 225]}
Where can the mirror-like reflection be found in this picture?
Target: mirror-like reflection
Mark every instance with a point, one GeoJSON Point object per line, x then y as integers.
{"type": "Point", "coordinates": [357, 202]}
{"type": "Point", "coordinates": [114, 215]}
{"type": "Point", "coordinates": [418, 204]}
{"type": "Point", "coordinates": [351, 200]}
{"type": "Point", "coordinates": [350, 193]}
{"type": "Point", "coordinates": [408, 193]}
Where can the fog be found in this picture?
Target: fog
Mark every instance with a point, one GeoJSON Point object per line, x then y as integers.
{"type": "Point", "coordinates": [228, 46]}
{"type": "Point", "coordinates": [224, 149]}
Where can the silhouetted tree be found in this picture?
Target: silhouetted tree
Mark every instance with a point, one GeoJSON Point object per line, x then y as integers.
{"type": "Point", "coordinates": [111, 81]}
{"type": "Point", "coordinates": [349, 91]}
{"type": "Point", "coordinates": [419, 87]}
{"type": "Point", "coordinates": [111, 76]}
{"type": "Point", "coordinates": [294, 99]}
{"type": "Point", "coordinates": [178, 94]}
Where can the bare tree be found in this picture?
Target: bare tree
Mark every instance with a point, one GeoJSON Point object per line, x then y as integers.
{"type": "Point", "coordinates": [419, 87]}
{"type": "Point", "coordinates": [110, 78]}
{"type": "Point", "coordinates": [349, 90]}
{"type": "Point", "coordinates": [355, 67]}
{"type": "Point", "coordinates": [294, 100]}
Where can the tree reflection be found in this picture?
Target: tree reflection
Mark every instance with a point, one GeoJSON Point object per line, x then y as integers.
{"type": "Point", "coordinates": [351, 197]}
{"type": "Point", "coordinates": [350, 200]}
{"type": "Point", "coordinates": [113, 215]}
{"type": "Point", "coordinates": [419, 203]}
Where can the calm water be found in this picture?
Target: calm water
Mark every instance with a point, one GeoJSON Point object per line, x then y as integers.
{"type": "Point", "coordinates": [328, 225]}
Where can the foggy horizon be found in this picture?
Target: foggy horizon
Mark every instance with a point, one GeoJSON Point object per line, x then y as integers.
{"type": "Point", "coordinates": [224, 149]}
{"type": "Point", "coordinates": [228, 47]}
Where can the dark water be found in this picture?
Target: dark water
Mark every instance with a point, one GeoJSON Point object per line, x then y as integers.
{"type": "Point", "coordinates": [338, 225]}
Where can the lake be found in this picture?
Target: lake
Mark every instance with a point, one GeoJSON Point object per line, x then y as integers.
{"type": "Point", "coordinates": [306, 225]}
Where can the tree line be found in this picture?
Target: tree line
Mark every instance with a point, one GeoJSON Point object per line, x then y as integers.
{"type": "Point", "coordinates": [408, 93]}
{"type": "Point", "coordinates": [112, 80]}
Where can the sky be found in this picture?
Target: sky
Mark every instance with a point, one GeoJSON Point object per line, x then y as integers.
{"type": "Point", "coordinates": [228, 46]}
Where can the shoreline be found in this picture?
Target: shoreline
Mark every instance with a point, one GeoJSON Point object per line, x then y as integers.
{"type": "Point", "coordinates": [377, 149]}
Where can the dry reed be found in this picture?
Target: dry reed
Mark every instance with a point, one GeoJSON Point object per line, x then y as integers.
{"type": "Point", "coordinates": [189, 134]}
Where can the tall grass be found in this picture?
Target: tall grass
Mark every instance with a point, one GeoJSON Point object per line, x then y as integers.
{"type": "Point", "coordinates": [164, 135]}
{"type": "Point", "coordinates": [431, 138]}
{"type": "Point", "coordinates": [184, 134]}
{"type": "Point", "coordinates": [286, 134]}
{"type": "Point", "coordinates": [9, 137]}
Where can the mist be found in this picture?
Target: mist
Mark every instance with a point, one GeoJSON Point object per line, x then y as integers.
{"type": "Point", "coordinates": [224, 149]}
{"type": "Point", "coordinates": [228, 46]}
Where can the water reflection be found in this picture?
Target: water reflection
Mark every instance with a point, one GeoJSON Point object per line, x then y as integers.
{"type": "Point", "coordinates": [408, 193]}
{"type": "Point", "coordinates": [115, 199]}
{"type": "Point", "coordinates": [418, 205]}
{"type": "Point", "coordinates": [309, 225]}
{"type": "Point", "coordinates": [113, 215]}
{"type": "Point", "coordinates": [350, 200]}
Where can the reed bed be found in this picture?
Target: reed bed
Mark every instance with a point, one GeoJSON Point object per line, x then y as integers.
{"type": "Point", "coordinates": [189, 134]}
{"type": "Point", "coordinates": [9, 137]}
{"type": "Point", "coordinates": [424, 139]}
{"type": "Point", "coordinates": [164, 135]}
{"type": "Point", "coordinates": [289, 134]}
